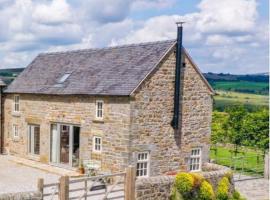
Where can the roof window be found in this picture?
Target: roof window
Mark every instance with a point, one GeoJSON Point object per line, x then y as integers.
{"type": "Point", "coordinates": [63, 78]}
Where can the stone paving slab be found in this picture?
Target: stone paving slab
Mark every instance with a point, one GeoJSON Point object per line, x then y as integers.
{"type": "Point", "coordinates": [253, 188]}
{"type": "Point", "coordinates": [15, 177]}
{"type": "Point", "coordinates": [44, 167]}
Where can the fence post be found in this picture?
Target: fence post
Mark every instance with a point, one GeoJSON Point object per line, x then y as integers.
{"type": "Point", "coordinates": [130, 179]}
{"type": "Point", "coordinates": [40, 186]}
{"type": "Point", "coordinates": [64, 188]}
{"type": "Point", "coordinates": [266, 166]}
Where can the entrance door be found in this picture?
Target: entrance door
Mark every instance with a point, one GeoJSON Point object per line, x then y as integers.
{"type": "Point", "coordinates": [65, 143]}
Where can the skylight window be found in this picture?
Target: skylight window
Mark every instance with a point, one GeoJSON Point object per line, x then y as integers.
{"type": "Point", "coordinates": [63, 78]}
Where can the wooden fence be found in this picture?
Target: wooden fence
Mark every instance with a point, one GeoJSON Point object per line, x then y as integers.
{"type": "Point", "coordinates": [113, 186]}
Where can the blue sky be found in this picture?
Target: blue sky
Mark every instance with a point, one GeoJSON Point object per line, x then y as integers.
{"type": "Point", "coordinates": [229, 36]}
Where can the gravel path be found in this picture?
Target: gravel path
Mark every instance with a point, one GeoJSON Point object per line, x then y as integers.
{"type": "Point", "coordinates": [252, 188]}
{"type": "Point", "coordinates": [19, 178]}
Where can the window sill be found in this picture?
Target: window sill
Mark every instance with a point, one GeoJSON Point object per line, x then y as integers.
{"type": "Point", "coordinates": [16, 139]}
{"type": "Point", "coordinates": [16, 114]}
{"type": "Point", "coordinates": [97, 152]}
{"type": "Point", "coordinates": [98, 121]}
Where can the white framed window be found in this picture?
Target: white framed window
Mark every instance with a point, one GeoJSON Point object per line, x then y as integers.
{"type": "Point", "coordinates": [63, 78]}
{"type": "Point", "coordinates": [97, 144]}
{"type": "Point", "coordinates": [16, 103]}
{"type": "Point", "coordinates": [33, 139]}
{"type": "Point", "coordinates": [15, 131]}
{"type": "Point", "coordinates": [195, 160]}
{"type": "Point", "coordinates": [143, 164]}
{"type": "Point", "coordinates": [99, 109]}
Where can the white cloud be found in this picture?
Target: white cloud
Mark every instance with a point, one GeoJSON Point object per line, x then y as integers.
{"type": "Point", "coordinates": [55, 12]}
{"type": "Point", "coordinates": [227, 15]}
{"type": "Point", "coordinates": [220, 34]}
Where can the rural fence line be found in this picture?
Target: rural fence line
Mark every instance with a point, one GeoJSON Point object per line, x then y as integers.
{"type": "Point", "coordinates": [118, 185]}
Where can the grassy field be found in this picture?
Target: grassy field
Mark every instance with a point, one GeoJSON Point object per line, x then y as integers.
{"type": "Point", "coordinates": [224, 99]}
{"type": "Point", "coordinates": [242, 86]}
{"type": "Point", "coordinates": [246, 161]}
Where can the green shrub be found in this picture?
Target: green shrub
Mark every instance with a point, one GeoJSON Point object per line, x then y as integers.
{"type": "Point", "coordinates": [236, 196]}
{"type": "Point", "coordinates": [184, 183]}
{"type": "Point", "coordinates": [206, 191]}
{"type": "Point", "coordinates": [223, 189]}
{"type": "Point", "coordinates": [175, 195]}
{"type": "Point", "coordinates": [198, 179]}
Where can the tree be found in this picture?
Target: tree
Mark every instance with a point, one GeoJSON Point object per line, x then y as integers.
{"type": "Point", "coordinates": [256, 129]}
{"type": "Point", "coordinates": [219, 130]}
{"type": "Point", "coordinates": [234, 125]}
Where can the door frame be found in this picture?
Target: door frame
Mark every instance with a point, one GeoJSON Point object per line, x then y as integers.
{"type": "Point", "coordinates": [71, 128]}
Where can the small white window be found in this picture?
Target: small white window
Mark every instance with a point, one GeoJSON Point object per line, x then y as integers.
{"type": "Point", "coordinates": [63, 78]}
{"type": "Point", "coordinates": [99, 109]}
{"type": "Point", "coordinates": [143, 164]}
{"type": "Point", "coordinates": [195, 160]}
{"type": "Point", "coordinates": [16, 103]}
{"type": "Point", "coordinates": [15, 131]}
{"type": "Point", "coordinates": [97, 144]}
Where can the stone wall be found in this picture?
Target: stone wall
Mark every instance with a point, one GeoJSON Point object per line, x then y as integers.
{"type": "Point", "coordinates": [160, 187]}
{"type": "Point", "coordinates": [44, 110]}
{"type": "Point", "coordinates": [21, 196]}
{"type": "Point", "coordinates": [152, 111]}
{"type": "Point", "coordinates": [157, 188]}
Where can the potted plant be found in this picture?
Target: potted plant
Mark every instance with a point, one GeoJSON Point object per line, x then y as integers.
{"type": "Point", "coordinates": [81, 168]}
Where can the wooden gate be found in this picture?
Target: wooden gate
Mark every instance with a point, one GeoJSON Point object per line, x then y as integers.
{"type": "Point", "coordinates": [114, 186]}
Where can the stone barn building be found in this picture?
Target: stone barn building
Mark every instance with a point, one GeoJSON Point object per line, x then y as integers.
{"type": "Point", "coordinates": [111, 105]}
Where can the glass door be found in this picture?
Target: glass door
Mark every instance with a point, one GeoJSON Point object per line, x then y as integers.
{"type": "Point", "coordinates": [65, 144]}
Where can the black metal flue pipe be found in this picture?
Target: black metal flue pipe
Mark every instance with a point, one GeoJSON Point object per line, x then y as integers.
{"type": "Point", "coordinates": [175, 121]}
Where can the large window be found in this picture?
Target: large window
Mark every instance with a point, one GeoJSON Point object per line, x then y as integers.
{"type": "Point", "coordinates": [143, 164]}
{"type": "Point", "coordinates": [15, 131]}
{"type": "Point", "coordinates": [195, 160]}
{"type": "Point", "coordinates": [97, 144]}
{"type": "Point", "coordinates": [16, 103]}
{"type": "Point", "coordinates": [99, 109]}
{"type": "Point", "coordinates": [34, 139]}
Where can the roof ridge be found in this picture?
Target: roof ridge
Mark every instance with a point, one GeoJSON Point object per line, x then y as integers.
{"type": "Point", "coordinates": [107, 48]}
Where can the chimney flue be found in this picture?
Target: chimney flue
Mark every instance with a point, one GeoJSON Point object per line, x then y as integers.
{"type": "Point", "coordinates": [175, 121]}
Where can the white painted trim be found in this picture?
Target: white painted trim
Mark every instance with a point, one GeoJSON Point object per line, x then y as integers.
{"type": "Point", "coordinates": [147, 160]}
{"type": "Point", "coordinates": [94, 144]}
{"type": "Point", "coordinates": [102, 110]}
{"type": "Point", "coordinates": [200, 159]}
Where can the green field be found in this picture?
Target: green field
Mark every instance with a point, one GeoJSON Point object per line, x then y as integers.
{"type": "Point", "coordinates": [242, 86]}
{"type": "Point", "coordinates": [224, 99]}
{"type": "Point", "coordinates": [247, 160]}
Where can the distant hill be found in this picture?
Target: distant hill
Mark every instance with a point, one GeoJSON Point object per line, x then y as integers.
{"type": "Point", "coordinates": [261, 77]}
{"type": "Point", "coordinates": [250, 83]}
{"type": "Point", "coordinates": [8, 75]}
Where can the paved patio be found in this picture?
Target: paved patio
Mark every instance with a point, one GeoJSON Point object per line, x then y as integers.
{"type": "Point", "coordinates": [15, 177]}
{"type": "Point", "coordinates": [253, 188]}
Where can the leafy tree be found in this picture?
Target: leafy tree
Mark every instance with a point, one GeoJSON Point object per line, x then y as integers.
{"type": "Point", "coordinates": [234, 125]}
{"type": "Point", "coordinates": [256, 129]}
{"type": "Point", "coordinates": [219, 127]}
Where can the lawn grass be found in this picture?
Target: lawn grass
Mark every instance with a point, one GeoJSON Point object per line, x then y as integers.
{"type": "Point", "coordinates": [247, 161]}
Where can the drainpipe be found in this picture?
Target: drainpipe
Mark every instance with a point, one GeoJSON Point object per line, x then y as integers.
{"type": "Point", "coordinates": [2, 85]}
{"type": "Point", "coordinates": [175, 121]}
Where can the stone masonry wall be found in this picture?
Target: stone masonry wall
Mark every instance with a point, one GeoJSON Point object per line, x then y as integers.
{"type": "Point", "coordinates": [44, 110]}
{"type": "Point", "coordinates": [151, 116]}
{"type": "Point", "coordinates": [160, 187]}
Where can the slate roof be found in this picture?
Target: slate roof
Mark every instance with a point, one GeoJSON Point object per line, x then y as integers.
{"type": "Point", "coordinates": [108, 71]}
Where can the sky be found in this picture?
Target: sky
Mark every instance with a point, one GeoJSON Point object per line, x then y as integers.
{"type": "Point", "coordinates": [228, 36]}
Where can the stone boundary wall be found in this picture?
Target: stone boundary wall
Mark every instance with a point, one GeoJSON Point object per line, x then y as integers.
{"type": "Point", "coordinates": [21, 196]}
{"type": "Point", "coordinates": [159, 187]}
